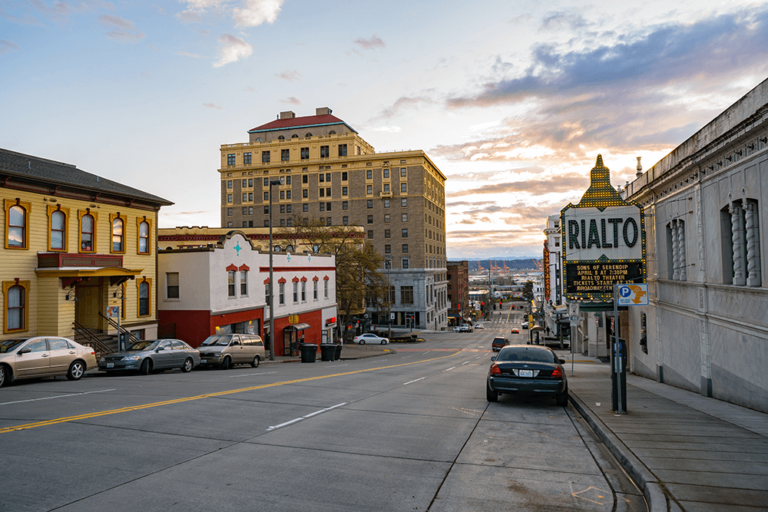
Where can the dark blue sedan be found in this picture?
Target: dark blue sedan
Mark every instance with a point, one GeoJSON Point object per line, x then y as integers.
{"type": "Point", "coordinates": [527, 369]}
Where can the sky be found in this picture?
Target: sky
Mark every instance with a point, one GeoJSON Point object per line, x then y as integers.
{"type": "Point", "coordinates": [512, 100]}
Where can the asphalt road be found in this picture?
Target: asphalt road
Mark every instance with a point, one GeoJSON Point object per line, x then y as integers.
{"type": "Point", "coordinates": [407, 431]}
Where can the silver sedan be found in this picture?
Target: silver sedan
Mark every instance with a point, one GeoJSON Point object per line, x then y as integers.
{"type": "Point", "coordinates": [146, 356]}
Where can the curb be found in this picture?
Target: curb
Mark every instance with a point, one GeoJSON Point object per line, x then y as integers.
{"type": "Point", "coordinates": [652, 488]}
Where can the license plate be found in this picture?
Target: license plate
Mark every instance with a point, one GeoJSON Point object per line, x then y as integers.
{"type": "Point", "coordinates": [202, 361]}
{"type": "Point", "coordinates": [525, 373]}
{"type": "Point", "coordinates": [110, 365]}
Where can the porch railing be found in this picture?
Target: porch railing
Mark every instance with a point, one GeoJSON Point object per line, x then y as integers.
{"type": "Point", "coordinates": [87, 337]}
{"type": "Point", "coordinates": [130, 337]}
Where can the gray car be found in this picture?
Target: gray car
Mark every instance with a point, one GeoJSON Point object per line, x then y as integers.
{"type": "Point", "coordinates": [146, 356]}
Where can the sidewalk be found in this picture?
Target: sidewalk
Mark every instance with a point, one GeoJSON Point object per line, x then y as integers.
{"type": "Point", "coordinates": [685, 451]}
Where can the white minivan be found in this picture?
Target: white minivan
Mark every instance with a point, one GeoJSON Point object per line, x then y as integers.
{"type": "Point", "coordinates": [227, 350]}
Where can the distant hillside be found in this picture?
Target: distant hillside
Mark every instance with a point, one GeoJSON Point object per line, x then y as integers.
{"type": "Point", "coordinates": [512, 264]}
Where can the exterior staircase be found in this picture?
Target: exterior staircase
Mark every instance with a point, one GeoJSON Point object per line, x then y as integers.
{"type": "Point", "coordinates": [101, 342]}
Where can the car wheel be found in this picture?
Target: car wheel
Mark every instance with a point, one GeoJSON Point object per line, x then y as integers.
{"type": "Point", "coordinates": [188, 365]}
{"type": "Point", "coordinates": [146, 367]}
{"type": "Point", "coordinates": [76, 370]}
{"type": "Point", "coordinates": [490, 394]}
{"type": "Point", "coordinates": [562, 398]}
{"type": "Point", "coordinates": [226, 364]}
{"type": "Point", "coordinates": [362, 342]}
{"type": "Point", "coordinates": [382, 342]}
{"type": "Point", "coordinates": [256, 361]}
{"type": "Point", "coordinates": [3, 373]}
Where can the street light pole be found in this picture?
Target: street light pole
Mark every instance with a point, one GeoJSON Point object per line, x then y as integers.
{"type": "Point", "coordinates": [271, 298]}
{"type": "Point", "coordinates": [388, 259]}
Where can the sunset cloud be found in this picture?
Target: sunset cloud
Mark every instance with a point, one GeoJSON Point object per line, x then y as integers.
{"type": "Point", "coordinates": [290, 75]}
{"type": "Point", "coordinates": [370, 44]}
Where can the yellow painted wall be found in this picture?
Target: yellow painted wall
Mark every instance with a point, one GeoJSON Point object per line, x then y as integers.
{"type": "Point", "coordinates": [48, 312]}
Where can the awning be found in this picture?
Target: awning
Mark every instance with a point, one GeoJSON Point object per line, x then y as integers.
{"type": "Point", "coordinates": [296, 327]}
{"type": "Point", "coordinates": [74, 275]}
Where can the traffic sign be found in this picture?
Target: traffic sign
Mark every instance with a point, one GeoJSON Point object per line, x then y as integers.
{"type": "Point", "coordinates": [633, 294]}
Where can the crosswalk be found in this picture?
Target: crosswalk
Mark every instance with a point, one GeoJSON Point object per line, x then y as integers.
{"type": "Point", "coordinates": [504, 318]}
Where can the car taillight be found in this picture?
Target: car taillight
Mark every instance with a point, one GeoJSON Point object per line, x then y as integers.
{"type": "Point", "coordinates": [495, 370]}
{"type": "Point", "coordinates": [557, 373]}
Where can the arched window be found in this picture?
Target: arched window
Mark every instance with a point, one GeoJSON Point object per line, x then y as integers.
{"type": "Point", "coordinates": [144, 298]}
{"type": "Point", "coordinates": [289, 248]}
{"type": "Point", "coordinates": [309, 134]}
{"type": "Point", "coordinates": [276, 248]}
{"type": "Point", "coordinates": [117, 235]}
{"type": "Point", "coordinates": [17, 226]}
{"type": "Point", "coordinates": [281, 138]}
{"type": "Point", "coordinates": [86, 233]}
{"type": "Point", "coordinates": [294, 136]}
{"type": "Point", "coordinates": [332, 132]}
{"type": "Point", "coordinates": [258, 139]}
{"type": "Point", "coordinates": [58, 235]}
{"type": "Point", "coordinates": [14, 313]}
{"type": "Point", "coordinates": [144, 237]}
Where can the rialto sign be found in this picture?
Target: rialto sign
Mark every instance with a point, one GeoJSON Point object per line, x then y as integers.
{"type": "Point", "coordinates": [603, 240]}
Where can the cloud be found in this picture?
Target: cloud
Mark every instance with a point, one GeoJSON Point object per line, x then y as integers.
{"type": "Point", "coordinates": [187, 54]}
{"type": "Point", "coordinates": [545, 185]}
{"type": "Point", "coordinates": [211, 105]}
{"type": "Point", "coordinates": [563, 21]}
{"type": "Point", "coordinates": [7, 46]}
{"type": "Point", "coordinates": [575, 100]}
{"type": "Point", "coordinates": [402, 103]}
{"type": "Point", "coordinates": [257, 12]}
{"type": "Point", "coordinates": [290, 75]}
{"type": "Point", "coordinates": [232, 49]}
{"type": "Point", "coordinates": [370, 44]}
{"type": "Point", "coordinates": [120, 29]}
{"type": "Point", "coordinates": [291, 101]}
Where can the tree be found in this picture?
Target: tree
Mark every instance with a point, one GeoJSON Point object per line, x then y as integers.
{"type": "Point", "coordinates": [358, 280]}
{"type": "Point", "coordinates": [528, 290]}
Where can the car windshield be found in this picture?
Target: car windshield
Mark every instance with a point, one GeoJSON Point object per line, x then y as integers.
{"type": "Point", "coordinates": [8, 345]}
{"type": "Point", "coordinates": [143, 345]}
{"type": "Point", "coordinates": [527, 354]}
{"type": "Point", "coordinates": [220, 340]}
{"type": "Point", "coordinates": [498, 340]}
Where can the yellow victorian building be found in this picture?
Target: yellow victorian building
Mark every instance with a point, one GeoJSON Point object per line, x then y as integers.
{"type": "Point", "coordinates": [79, 254]}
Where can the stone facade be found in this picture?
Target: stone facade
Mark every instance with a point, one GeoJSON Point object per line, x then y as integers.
{"type": "Point", "coordinates": [458, 290]}
{"type": "Point", "coordinates": [327, 171]}
{"type": "Point", "coordinates": [706, 328]}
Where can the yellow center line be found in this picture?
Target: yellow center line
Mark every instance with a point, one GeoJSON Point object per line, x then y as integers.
{"type": "Point", "coordinates": [67, 419]}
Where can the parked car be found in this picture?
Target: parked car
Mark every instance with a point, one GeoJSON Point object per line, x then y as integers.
{"type": "Point", "coordinates": [369, 337]}
{"type": "Point", "coordinates": [146, 356]}
{"type": "Point", "coordinates": [527, 369]}
{"type": "Point", "coordinates": [227, 350]}
{"type": "Point", "coordinates": [515, 330]}
{"type": "Point", "coordinates": [479, 326]}
{"type": "Point", "coordinates": [498, 343]}
{"type": "Point", "coordinates": [43, 356]}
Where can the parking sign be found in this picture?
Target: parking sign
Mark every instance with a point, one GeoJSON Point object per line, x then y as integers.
{"type": "Point", "coordinates": [633, 294]}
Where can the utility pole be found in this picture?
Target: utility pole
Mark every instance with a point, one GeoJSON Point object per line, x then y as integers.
{"type": "Point", "coordinates": [271, 298]}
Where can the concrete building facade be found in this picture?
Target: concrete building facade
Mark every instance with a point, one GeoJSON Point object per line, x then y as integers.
{"type": "Point", "coordinates": [222, 288]}
{"type": "Point", "coordinates": [706, 328]}
{"type": "Point", "coordinates": [328, 172]}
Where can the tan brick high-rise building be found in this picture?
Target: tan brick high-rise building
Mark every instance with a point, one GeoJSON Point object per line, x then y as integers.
{"type": "Point", "coordinates": [329, 172]}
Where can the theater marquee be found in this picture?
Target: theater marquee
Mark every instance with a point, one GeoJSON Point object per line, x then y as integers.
{"type": "Point", "coordinates": [603, 240]}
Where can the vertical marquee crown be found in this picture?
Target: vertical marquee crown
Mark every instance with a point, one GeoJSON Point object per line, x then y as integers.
{"type": "Point", "coordinates": [600, 192]}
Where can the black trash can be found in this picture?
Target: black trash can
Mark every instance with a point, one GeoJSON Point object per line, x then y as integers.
{"type": "Point", "coordinates": [327, 351]}
{"type": "Point", "coordinates": [338, 352]}
{"type": "Point", "coordinates": [308, 352]}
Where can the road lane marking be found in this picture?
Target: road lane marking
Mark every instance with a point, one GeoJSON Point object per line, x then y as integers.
{"type": "Point", "coordinates": [412, 381]}
{"type": "Point", "coordinates": [465, 362]}
{"type": "Point", "coordinates": [58, 396]}
{"type": "Point", "coordinates": [250, 375]}
{"type": "Point", "coordinates": [150, 405]}
{"type": "Point", "coordinates": [270, 429]}
{"type": "Point", "coordinates": [449, 369]}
